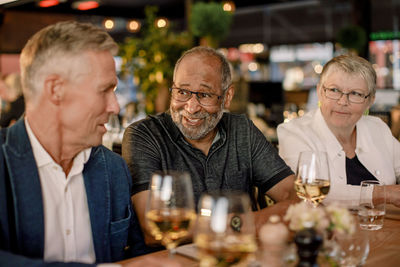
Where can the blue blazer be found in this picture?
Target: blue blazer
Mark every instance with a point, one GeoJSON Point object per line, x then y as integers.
{"type": "Point", "coordinates": [115, 228]}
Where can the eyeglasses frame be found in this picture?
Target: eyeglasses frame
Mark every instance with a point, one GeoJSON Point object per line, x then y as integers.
{"type": "Point", "coordinates": [197, 95]}
{"type": "Point", "coordinates": [346, 94]}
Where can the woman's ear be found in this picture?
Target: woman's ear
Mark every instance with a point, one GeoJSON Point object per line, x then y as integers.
{"type": "Point", "coordinates": [319, 92]}
{"type": "Point", "coordinates": [371, 101]}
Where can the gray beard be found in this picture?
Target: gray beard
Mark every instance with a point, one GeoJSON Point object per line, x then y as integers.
{"type": "Point", "coordinates": [196, 133]}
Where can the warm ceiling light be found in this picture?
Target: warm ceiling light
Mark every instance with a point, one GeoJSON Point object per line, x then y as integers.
{"type": "Point", "coordinates": [85, 5]}
{"type": "Point", "coordinates": [228, 6]}
{"type": "Point", "coordinates": [48, 3]}
{"type": "Point", "coordinates": [133, 25]}
{"type": "Point", "coordinates": [161, 22]}
{"type": "Point", "coordinates": [109, 24]}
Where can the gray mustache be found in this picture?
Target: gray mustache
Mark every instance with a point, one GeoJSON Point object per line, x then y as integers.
{"type": "Point", "coordinates": [200, 115]}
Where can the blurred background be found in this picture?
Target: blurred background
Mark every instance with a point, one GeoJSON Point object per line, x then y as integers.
{"type": "Point", "coordinates": [277, 48]}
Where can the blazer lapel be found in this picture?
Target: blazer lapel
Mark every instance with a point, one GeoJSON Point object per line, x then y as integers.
{"type": "Point", "coordinates": [26, 191]}
{"type": "Point", "coordinates": [97, 183]}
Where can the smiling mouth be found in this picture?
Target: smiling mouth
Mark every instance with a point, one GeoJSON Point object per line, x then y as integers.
{"type": "Point", "coordinates": [193, 122]}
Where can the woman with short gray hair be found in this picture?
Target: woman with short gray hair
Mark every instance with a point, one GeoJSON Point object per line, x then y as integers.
{"type": "Point", "coordinates": [359, 147]}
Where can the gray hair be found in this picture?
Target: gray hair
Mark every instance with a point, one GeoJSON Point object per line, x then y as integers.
{"type": "Point", "coordinates": [50, 49]}
{"type": "Point", "coordinates": [226, 76]}
{"type": "Point", "coordinates": [353, 65]}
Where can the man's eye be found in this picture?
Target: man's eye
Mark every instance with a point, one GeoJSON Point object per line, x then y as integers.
{"type": "Point", "coordinates": [356, 94]}
{"type": "Point", "coordinates": [183, 92]}
{"type": "Point", "coordinates": [334, 90]}
{"type": "Point", "coordinates": [204, 95]}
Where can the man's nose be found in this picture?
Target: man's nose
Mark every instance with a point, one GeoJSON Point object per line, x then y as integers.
{"type": "Point", "coordinates": [192, 105]}
{"type": "Point", "coordinates": [112, 104]}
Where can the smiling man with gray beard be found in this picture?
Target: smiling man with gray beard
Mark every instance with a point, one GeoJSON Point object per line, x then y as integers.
{"type": "Point", "coordinates": [220, 150]}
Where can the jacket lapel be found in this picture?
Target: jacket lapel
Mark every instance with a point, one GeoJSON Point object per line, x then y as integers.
{"type": "Point", "coordinates": [26, 191]}
{"type": "Point", "coordinates": [97, 183]}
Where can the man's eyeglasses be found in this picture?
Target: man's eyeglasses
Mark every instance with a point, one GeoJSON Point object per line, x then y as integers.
{"type": "Point", "coordinates": [353, 96]}
{"type": "Point", "coordinates": [205, 99]}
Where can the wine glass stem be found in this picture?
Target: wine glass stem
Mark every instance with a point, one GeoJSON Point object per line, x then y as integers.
{"type": "Point", "coordinates": [171, 253]}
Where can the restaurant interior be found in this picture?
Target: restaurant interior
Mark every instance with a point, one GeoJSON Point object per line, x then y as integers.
{"type": "Point", "coordinates": [277, 49]}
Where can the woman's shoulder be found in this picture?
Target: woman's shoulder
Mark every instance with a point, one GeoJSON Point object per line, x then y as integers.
{"type": "Point", "coordinates": [373, 121]}
{"type": "Point", "coordinates": [374, 125]}
{"type": "Point", "coordinates": [302, 122]}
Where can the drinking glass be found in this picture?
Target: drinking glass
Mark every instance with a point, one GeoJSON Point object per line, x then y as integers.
{"type": "Point", "coordinates": [170, 209]}
{"type": "Point", "coordinates": [113, 132]}
{"type": "Point", "coordinates": [372, 208]}
{"type": "Point", "coordinates": [353, 248]}
{"type": "Point", "coordinates": [312, 177]}
{"type": "Point", "coordinates": [225, 232]}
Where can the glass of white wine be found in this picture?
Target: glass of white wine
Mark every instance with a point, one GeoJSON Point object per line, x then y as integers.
{"type": "Point", "coordinates": [225, 230]}
{"type": "Point", "coordinates": [170, 211]}
{"type": "Point", "coordinates": [312, 177]}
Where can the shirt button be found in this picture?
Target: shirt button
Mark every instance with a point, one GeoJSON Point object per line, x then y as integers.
{"type": "Point", "coordinates": [66, 190]}
{"type": "Point", "coordinates": [339, 154]}
{"type": "Point", "coordinates": [55, 168]}
{"type": "Point", "coordinates": [377, 172]}
{"type": "Point", "coordinates": [68, 231]}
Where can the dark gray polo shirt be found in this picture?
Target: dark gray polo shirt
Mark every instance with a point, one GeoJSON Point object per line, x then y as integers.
{"type": "Point", "coordinates": [240, 159]}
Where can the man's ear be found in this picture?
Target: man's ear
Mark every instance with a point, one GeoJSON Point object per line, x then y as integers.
{"type": "Point", "coordinates": [228, 96]}
{"type": "Point", "coordinates": [53, 88]}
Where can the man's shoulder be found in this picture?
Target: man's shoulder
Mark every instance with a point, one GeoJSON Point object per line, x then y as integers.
{"type": "Point", "coordinates": [235, 121]}
{"type": "Point", "coordinates": [151, 121]}
{"type": "Point", "coordinates": [109, 156]}
{"type": "Point", "coordinates": [235, 117]}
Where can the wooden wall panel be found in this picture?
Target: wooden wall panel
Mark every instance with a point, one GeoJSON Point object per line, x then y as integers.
{"type": "Point", "coordinates": [18, 26]}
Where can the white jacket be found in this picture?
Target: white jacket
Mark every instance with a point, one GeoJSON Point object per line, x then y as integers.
{"type": "Point", "coordinates": [376, 149]}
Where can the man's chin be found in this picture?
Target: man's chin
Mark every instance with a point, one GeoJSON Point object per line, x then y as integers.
{"type": "Point", "coordinates": [191, 134]}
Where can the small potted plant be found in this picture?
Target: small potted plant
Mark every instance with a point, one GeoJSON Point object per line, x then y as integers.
{"type": "Point", "coordinates": [210, 23]}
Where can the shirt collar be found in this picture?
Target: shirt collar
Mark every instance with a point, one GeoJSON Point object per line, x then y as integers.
{"type": "Point", "coordinates": [328, 137]}
{"type": "Point", "coordinates": [43, 158]}
{"type": "Point", "coordinates": [364, 140]}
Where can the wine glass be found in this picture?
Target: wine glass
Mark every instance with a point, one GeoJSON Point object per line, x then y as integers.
{"type": "Point", "coordinates": [353, 247]}
{"type": "Point", "coordinates": [312, 178]}
{"type": "Point", "coordinates": [225, 231]}
{"type": "Point", "coordinates": [170, 209]}
{"type": "Point", "coordinates": [113, 132]}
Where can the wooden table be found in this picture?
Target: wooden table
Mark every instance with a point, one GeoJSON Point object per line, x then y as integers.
{"type": "Point", "coordinates": [384, 248]}
{"type": "Point", "coordinates": [385, 245]}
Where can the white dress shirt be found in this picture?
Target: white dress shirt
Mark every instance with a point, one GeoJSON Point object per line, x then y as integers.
{"type": "Point", "coordinates": [67, 228]}
{"type": "Point", "coordinates": [376, 149]}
